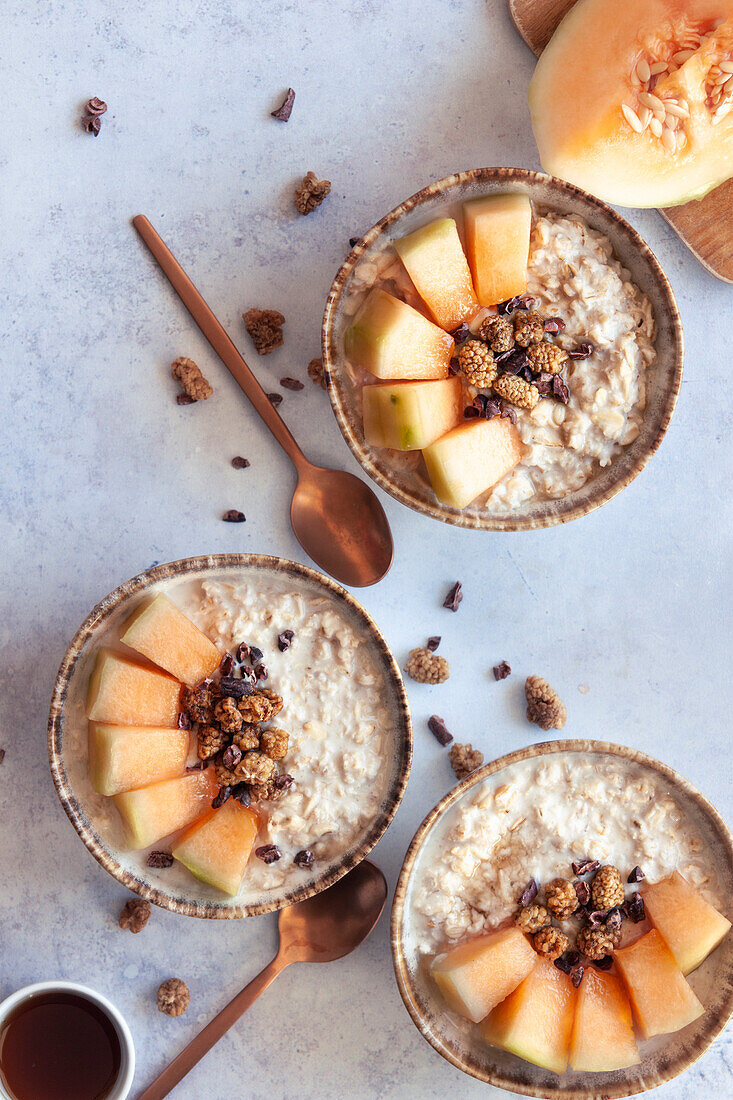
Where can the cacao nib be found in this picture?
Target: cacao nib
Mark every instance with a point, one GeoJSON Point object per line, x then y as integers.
{"type": "Point", "coordinates": [304, 858]}
{"type": "Point", "coordinates": [185, 399]}
{"type": "Point", "coordinates": [268, 853]}
{"type": "Point", "coordinates": [159, 859]}
{"type": "Point", "coordinates": [582, 892]}
{"type": "Point", "coordinates": [584, 866]}
{"type": "Point", "coordinates": [519, 301]}
{"type": "Point", "coordinates": [529, 893]}
{"type": "Point", "coordinates": [583, 350]}
{"type": "Point", "coordinates": [255, 655]}
{"type": "Point", "coordinates": [243, 653]}
{"type": "Point", "coordinates": [433, 643]}
{"type": "Point", "coordinates": [605, 963]}
{"type": "Point", "coordinates": [454, 597]}
{"type": "Point", "coordinates": [471, 413]}
{"type": "Point", "coordinates": [525, 373]}
{"type": "Point", "coordinates": [554, 324]}
{"type": "Point", "coordinates": [241, 794]}
{"type": "Point", "coordinates": [560, 390]}
{"type": "Point", "coordinates": [232, 756]}
{"type": "Point", "coordinates": [439, 730]}
{"type": "Point", "coordinates": [353, 241]}
{"type": "Point", "coordinates": [637, 875]}
{"type": "Point", "coordinates": [493, 408]}
{"type": "Point", "coordinates": [282, 114]}
{"type": "Point", "coordinates": [481, 401]}
{"type": "Point", "coordinates": [95, 106]}
{"type": "Point", "coordinates": [291, 384]}
{"type": "Point", "coordinates": [508, 413]}
{"type": "Point", "coordinates": [275, 399]}
{"type": "Point", "coordinates": [261, 672]}
{"type": "Point", "coordinates": [232, 515]}
{"type": "Point", "coordinates": [285, 640]}
{"type": "Point", "coordinates": [576, 975]}
{"type": "Point", "coordinates": [234, 689]}
{"type": "Point", "coordinates": [453, 367]}
{"type": "Point", "coordinates": [461, 334]}
{"type": "Point", "coordinates": [614, 919]}
{"type": "Point", "coordinates": [92, 124]}
{"type": "Point", "coordinates": [2, 755]}
{"type": "Point", "coordinates": [240, 463]}
{"type": "Point", "coordinates": [502, 670]}
{"type": "Point", "coordinates": [227, 664]}
{"type": "Point", "coordinates": [224, 794]}
{"type": "Point", "coordinates": [283, 782]}
{"type": "Point", "coordinates": [635, 909]}
{"type": "Point", "coordinates": [544, 383]}
{"type": "Point", "coordinates": [184, 722]}
{"type": "Point", "coordinates": [248, 675]}
{"type": "Point", "coordinates": [596, 917]}
{"type": "Point", "coordinates": [516, 360]}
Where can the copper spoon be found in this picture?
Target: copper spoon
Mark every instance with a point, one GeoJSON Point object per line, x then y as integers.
{"type": "Point", "coordinates": [336, 518]}
{"type": "Point", "coordinates": [322, 928]}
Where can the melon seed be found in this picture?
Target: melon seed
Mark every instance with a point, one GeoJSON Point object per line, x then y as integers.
{"type": "Point", "coordinates": [651, 100]}
{"type": "Point", "coordinates": [632, 118]}
{"type": "Point", "coordinates": [726, 66]}
{"type": "Point", "coordinates": [656, 127]}
{"type": "Point", "coordinates": [643, 71]}
{"type": "Point", "coordinates": [658, 68]}
{"type": "Point", "coordinates": [681, 110]}
{"type": "Point", "coordinates": [668, 139]}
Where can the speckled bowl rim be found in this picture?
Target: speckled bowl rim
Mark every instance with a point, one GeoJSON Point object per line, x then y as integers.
{"type": "Point", "coordinates": [550, 516]}
{"type": "Point", "coordinates": [75, 812]}
{"type": "Point", "coordinates": [404, 978]}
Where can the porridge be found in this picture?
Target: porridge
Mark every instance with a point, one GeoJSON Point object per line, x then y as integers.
{"type": "Point", "coordinates": [575, 390]}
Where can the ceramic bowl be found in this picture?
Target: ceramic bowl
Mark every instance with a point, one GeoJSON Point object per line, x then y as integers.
{"type": "Point", "coordinates": [94, 817]}
{"type": "Point", "coordinates": [662, 1058]}
{"type": "Point", "coordinates": [664, 378]}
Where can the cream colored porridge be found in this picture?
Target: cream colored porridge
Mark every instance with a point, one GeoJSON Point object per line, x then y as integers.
{"type": "Point", "coordinates": [572, 274]}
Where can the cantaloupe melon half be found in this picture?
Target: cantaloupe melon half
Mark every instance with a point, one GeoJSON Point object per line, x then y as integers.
{"type": "Point", "coordinates": [122, 758]}
{"type": "Point", "coordinates": [691, 927]}
{"type": "Point", "coordinates": [216, 849]}
{"type": "Point", "coordinates": [162, 633]}
{"type": "Point", "coordinates": [585, 76]}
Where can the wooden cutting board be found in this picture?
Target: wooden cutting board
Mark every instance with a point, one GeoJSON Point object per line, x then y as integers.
{"type": "Point", "coordinates": [705, 226]}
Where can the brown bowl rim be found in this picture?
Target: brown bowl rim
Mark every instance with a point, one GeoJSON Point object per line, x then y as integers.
{"type": "Point", "coordinates": [73, 809]}
{"type": "Point", "coordinates": [404, 981]}
{"type": "Point", "coordinates": [549, 518]}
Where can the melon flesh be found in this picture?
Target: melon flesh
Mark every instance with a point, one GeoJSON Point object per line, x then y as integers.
{"type": "Point", "coordinates": [435, 261]}
{"type": "Point", "coordinates": [603, 1031]}
{"type": "Point", "coordinates": [477, 975]}
{"type": "Point", "coordinates": [584, 76]}
{"type": "Point", "coordinates": [216, 849]}
{"type": "Point", "coordinates": [691, 927]}
{"type": "Point", "coordinates": [472, 458]}
{"type": "Point", "coordinates": [125, 693]}
{"type": "Point", "coordinates": [122, 758]}
{"type": "Point", "coordinates": [661, 997]}
{"type": "Point", "coordinates": [153, 812]}
{"type": "Point", "coordinates": [390, 339]}
{"type": "Point", "coordinates": [407, 416]}
{"type": "Point", "coordinates": [497, 229]}
{"type": "Point", "coordinates": [162, 633]}
{"type": "Point", "coordinates": [535, 1022]}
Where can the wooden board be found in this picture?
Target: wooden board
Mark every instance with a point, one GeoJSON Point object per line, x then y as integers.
{"type": "Point", "coordinates": [705, 226]}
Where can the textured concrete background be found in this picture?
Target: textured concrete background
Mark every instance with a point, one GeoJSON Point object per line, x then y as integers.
{"type": "Point", "coordinates": [102, 473]}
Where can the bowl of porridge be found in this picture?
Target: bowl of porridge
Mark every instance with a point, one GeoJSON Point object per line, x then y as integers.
{"type": "Point", "coordinates": [521, 414]}
{"type": "Point", "coordinates": [229, 734]}
{"type": "Point", "coordinates": [547, 895]}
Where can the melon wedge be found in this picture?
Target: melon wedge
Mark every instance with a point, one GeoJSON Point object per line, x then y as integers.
{"type": "Point", "coordinates": [435, 261]}
{"type": "Point", "coordinates": [691, 927]}
{"type": "Point", "coordinates": [122, 758]}
{"type": "Point", "coordinates": [497, 229]}
{"type": "Point", "coordinates": [126, 693]}
{"type": "Point", "coordinates": [162, 633]}
{"type": "Point", "coordinates": [471, 459]}
{"type": "Point", "coordinates": [216, 849]}
{"type": "Point", "coordinates": [535, 1022]}
{"type": "Point", "coordinates": [584, 78]}
{"type": "Point", "coordinates": [153, 812]}
{"type": "Point", "coordinates": [408, 416]}
{"type": "Point", "coordinates": [661, 997]}
{"type": "Point", "coordinates": [603, 1031]}
{"type": "Point", "coordinates": [477, 975]}
{"type": "Point", "coordinates": [390, 339]}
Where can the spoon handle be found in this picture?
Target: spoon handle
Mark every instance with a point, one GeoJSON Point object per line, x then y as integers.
{"type": "Point", "coordinates": [218, 338]}
{"type": "Point", "coordinates": [212, 1033]}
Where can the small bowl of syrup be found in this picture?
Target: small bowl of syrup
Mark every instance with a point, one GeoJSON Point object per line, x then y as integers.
{"type": "Point", "coordinates": [63, 1041]}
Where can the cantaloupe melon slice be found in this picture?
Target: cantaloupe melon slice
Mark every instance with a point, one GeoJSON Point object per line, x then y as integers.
{"type": "Point", "coordinates": [216, 849]}
{"type": "Point", "coordinates": [535, 1022]}
{"type": "Point", "coordinates": [661, 997]}
{"type": "Point", "coordinates": [408, 416]}
{"type": "Point", "coordinates": [390, 339]}
{"type": "Point", "coordinates": [122, 758]}
{"type": "Point", "coordinates": [162, 633]}
{"type": "Point", "coordinates": [475, 976]}
{"type": "Point", "coordinates": [153, 812]}
{"type": "Point", "coordinates": [126, 693]}
{"type": "Point", "coordinates": [497, 229]}
{"type": "Point", "coordinates": [603, 1031]}
{"type": "Point", "coordinates": [472, 458]}
{"type": "Point", "coordinates": [435, 261]}
{"type": "Point", "coordinates": [585, 76]}
{"type": "Point", "coordinates": [691, 927]}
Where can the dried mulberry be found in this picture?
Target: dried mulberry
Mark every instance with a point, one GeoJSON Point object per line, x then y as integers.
{"type": "Point", "coordinates": [498, 332]}
{"type": "Point", "coordinates": [544, 705]}
{"type": "Point", "coordinates": [532, 919]}
{"type": "Point", "coordinates": [607, 889]}
{"type": "Point", "coordinates": [596, 943]}
{"type": "Point", "coordinates": [546, 357]}
{"type": "Point", "coordinates": [427, 667]}
{"type": "Point", "coordinates": [476, 361]}
{"type": "Point", "coordinates": [561, 899]}
{"type": "Point", "coordinates": [550, 942]}
{"type": "Point", "coordinates": [516, 390]}
{"type": "Point", "coordinates": [529, 328]}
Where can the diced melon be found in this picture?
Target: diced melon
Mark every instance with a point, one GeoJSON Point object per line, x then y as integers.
{"type": "Point", "coordinates": [390, 339]}
{"type": "Point", "coordinates": [407, 416]}
{"type": "Point", "coordinates": [216, 849]}
{"type": "Point", "coordinates": [535, 1022]}
{"type": "Point", "coordinates": [691, 927]}
{"type": "Point", "coordinates": [472, 458]}
{"type": "Point", "coordinates": [435, 261]}
{"type": "Point", "coordinates": [475, 976]}
{"type": "Point", "coordinates": [153, 812]}
{"type": "Point", "coordinates": [497, 231]}
{"type": "Point", "coordinates": [122, 758]}
{"type": "Point", "coordinates": [162, 633]}
{"type": "Point", "coordinates": [661, 996]}
{"type": "Point", "coordinates": [126, 693]}
{"type": "Point", "coordinates": [603, 1031]}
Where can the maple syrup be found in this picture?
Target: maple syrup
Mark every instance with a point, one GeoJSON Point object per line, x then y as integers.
{"type": "Point", "coordinates": [59, 1046]}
